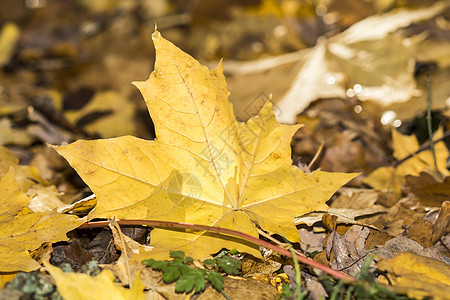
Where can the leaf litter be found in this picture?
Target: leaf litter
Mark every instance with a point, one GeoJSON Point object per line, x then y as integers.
{"type": "Point", "coordinates": [410, 224]}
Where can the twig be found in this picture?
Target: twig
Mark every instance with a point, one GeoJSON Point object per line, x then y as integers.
{"type": "Point", "coordinates": [113, 223]}
{"type": "Point", "coordinates": [226, 231]}
{"type": "Point", "coordinates": [430, 130]}
{"type": "Point", "coordinates": [277, 242]}
{"type": "Point", "coordinates": [316, 155]}
{"type": "Point", "coordinates": [424, 147]}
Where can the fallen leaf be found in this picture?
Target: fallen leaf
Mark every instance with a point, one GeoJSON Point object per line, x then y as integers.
{"type": "Point", "coordinates": [78, 286]}
{"type": "Point", "coordinates": [311, 83]}
{"type": "Point", "coordinates": [352, 198]}
{"type": "Point", "coordinates": [344, 216]}
{"type": "Point", "coordinates": [103, 249]}
{"type": "Point", "coordinates": [108, 114]}
{"type": "Point", "coordinates": [345, 127]}
{"type": "Point", "coordinates": [241, 289]}
{"type": "Point", "coordinates": [442, 225]}
{"type": "Point", "coordinates": [9, 135]}
{"type": "Point", "coordinates": [430, 192]}
{"type": "Point", "coordinates": [418, 276]}
{"type": "Point", "coordinates": [349, 251]}
{"type": "Point", "coordinates": [45, 198]}
{"type": "Point", "coordinates": [9, 37]}
{"type": "Point", "coordinates": [82, 206]}
{"type": "Point", "coordinates": [394, 177]}
{"type": "Point", "coordinates": [22, 230]}
{"type": "Point", "coordinates": [131, 256]}
{"type": "Point", "coordinates": [4, 279]}
{"type": "Point", "coordinates": [401, 244]}
{"type": "Point", "coordinates": [261, 269]}
{"type": "Point", "coordinates": [312, 238]}
{"type": "Point", "coordinates": [366, 54]}
{"type": "Point", "coordinates": [26, 176]}
{"type": "Point", "coordinates": [400, 221]}
{"type": "Point", "coordinates": [204, 167]}
{"type": "Point", "coordinates": [71, 253]}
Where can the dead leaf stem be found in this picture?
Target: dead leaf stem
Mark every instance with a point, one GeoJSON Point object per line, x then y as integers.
{"type": "Point", "coordinates": [226, 231]}
{"type": "Point", "coordinates": [113, 223]}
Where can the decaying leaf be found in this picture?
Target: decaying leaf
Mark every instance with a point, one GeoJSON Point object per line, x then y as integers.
{"type": "Point", "coordinates": [442, 225]}
{"type": "Point", "coordinates": [79, 286]}
{"type": "Point", "coordinates": [134, 262]}
{"type": "Point", "coordinates": [204, 167]}
{"type": "Point", "coordinates": [394, 177]}
{"type": "Point", "coordinates": [418, 276]}
{"type": "Point", "coordinates": [22, 230]}
{"type": "Point", "coordinates": [349, 251]}
{"type": "Point", "coordinates": [400, 221]}
{"type": "Point", "coordinates": [401, 244]}
{"type": "Point", "coordinates": [429, 191]}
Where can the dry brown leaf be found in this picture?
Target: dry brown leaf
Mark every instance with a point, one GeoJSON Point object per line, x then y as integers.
{"type": "Point", "coordinates": [442, 225]}
{"type": "Point", "coordinates": [429, 191]}
{"type": "Point", "coordinates": [349, 251]}
{"type": "Point", "coordinates": [399, 245]}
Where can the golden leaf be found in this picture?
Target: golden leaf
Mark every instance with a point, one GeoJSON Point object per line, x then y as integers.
{"type": "Point", "coordinates": [204, 167]}
{"type": "Point", "coordinates": [418, 276]}
{"type": "Point", "coordinates": [22, 230]}
{"type": "Point", "coordinates": [394, 177]}
{"type": "Point", "coordinates": [79, 286]}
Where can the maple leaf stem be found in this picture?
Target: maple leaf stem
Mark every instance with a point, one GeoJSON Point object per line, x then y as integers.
{"type": "Point", "coordinates": [166, 224]}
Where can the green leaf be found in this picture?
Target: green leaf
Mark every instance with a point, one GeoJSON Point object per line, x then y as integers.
{"type": "Point", "coordinates": [233, 252]}
{"type": "Point", "coordinates": [229, 264]}
{"type": "Point", "coordinates": [177, 254]}
{"type": "Point", "coordinates": [189, 279]}
{"type": "Point", "coordinates": [177, 262]}
{"type": "Point", "coordinates": [209, 262]}
{"type": "Point", "coordinates": [216, 280]}
{"type": "Point", "coordinates": [156, 264]}
{"type": "Point", "coordinates": [170, 274]}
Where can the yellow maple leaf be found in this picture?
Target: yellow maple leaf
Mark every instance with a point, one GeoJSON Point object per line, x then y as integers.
{"type": "Point", "coordinates": [80, 286]}
{"type": "Point", "coordinates": [204, 167]}
{"type": "Point", "coordinates": [26, 176]}
{"type": "Point", "coordinates": [418, 276]}
{"type": "Point", "coordinates": [394, 177]}
{"type": "Point", "coordinates": [22, 230]}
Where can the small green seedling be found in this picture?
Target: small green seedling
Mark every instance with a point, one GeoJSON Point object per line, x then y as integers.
{"type": "Point", "coordinates": [187, 278]}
